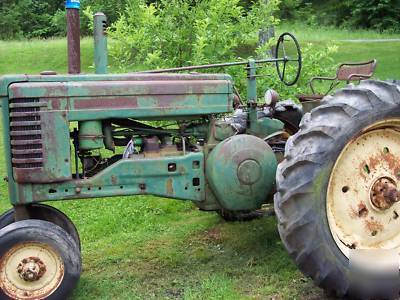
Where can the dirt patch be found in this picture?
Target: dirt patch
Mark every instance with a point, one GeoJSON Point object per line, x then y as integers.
{"type": "Point", "coordinates": [213, 234]}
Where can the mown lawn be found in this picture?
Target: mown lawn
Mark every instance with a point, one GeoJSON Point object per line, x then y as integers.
{"type": "Point", "coordinates": [147, 247]}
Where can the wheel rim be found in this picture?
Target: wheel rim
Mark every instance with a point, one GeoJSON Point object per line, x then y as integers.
{"type": "Point", "coordinates": [363, 205]}
{"type": "Point", "coordinates": [31, 271]}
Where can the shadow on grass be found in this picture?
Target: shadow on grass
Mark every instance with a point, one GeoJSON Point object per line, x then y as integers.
{"type": "Point", "coordinates": [187, 254]}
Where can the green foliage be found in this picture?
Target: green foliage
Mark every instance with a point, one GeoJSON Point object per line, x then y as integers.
{"type": "Point", "coordinates": [377, 14]}
{"type": "Point", "coordinates": [112, 9]}
{"type": "Point", "coordinates": [288, 9]}
{"type": "Point", "coordinates": [27, 18]}
{"type": "Point", "coordinates": [317, 61]}
{"type": "Point", "coordinates": [381, 15]}
{"type": "Point", "coordinates": [42, 19]}
{"type": "Point", "coordinates": [177, 33]}
{"type": "Point", "coordinates": [59, 23]}
{"type": "Point", "coordinates": [183, 32]}
{"type": "Point", "coordinates": [9, 23]}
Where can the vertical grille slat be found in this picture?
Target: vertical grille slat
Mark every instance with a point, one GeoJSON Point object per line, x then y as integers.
{"type": "Point", "coordinates": [26, 133]}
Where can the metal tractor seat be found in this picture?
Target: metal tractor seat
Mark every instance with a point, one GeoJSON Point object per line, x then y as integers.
{"type": "Point", "coordinates": [346, 72]}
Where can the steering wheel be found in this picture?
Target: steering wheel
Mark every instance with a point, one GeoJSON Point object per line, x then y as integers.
{"type": "Point", "coordinates": [288, 59]}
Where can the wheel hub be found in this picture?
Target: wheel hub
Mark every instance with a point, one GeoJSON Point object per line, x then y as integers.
{"type": "Point", "coordinates": [31, 269]}
{"type": "Point", "coordinates": [384, 193]}
{"type": "Point", "coordinates": [249, 172]}
{"type": "Point", "coordinates": [363, 201]}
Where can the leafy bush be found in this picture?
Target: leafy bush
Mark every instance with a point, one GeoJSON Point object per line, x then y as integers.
{"type": "Point", "coordinates": [182, 32]}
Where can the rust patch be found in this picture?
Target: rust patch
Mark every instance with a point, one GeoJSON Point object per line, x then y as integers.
{"type": "Point", "coordinates": [106, 103]}
{"type": "Point", "coordinates": [390, 159]}
{"type": "Point", "coordinates": [170, 188]}
{"type": "Point", "coordinates": [31, 269]}
{"type": "Point", "coordinates": [373, 162]}
{"type": "Point", "coordinates": [384, 193]}
{"type": "Point", "coordinates": [373, 226]}
{"type": "Point", "coordinates": [114, 179]}
{"type": "Point", "coordinates": [360, 212]}
{"type": "Point", "coordinates": [56, 103]}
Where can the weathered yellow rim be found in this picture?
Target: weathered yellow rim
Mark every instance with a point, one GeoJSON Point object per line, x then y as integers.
{"type": "Point", "coordinates": [367, 170]}
{"type": "Point", "coordinates": [31, 271]}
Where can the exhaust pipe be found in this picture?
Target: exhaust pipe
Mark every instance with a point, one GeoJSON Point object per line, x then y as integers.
{"type": "Point", "coordinates": [73, 36]}
{"type": "Point", "coordinates": [100, 43]}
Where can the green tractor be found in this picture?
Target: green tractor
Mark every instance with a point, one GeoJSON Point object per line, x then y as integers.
{"type": "Point", "coordinates": [70, 137]}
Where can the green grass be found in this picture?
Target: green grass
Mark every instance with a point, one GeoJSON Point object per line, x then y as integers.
{"type": "Point", "coordinates": [38, 55]}
{"type": "Point", "coordinates": [35, 56]}
{"type": "Point", "coordinates": [385, 52]}
{"type": "Point", "coordinates": [325, 33]}
{"type": "Point", "coordinates": [151, 248]}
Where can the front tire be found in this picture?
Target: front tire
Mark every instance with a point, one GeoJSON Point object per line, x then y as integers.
{"type": "Point", "coordinates": [38, 211]}
{"type": "Point", "coordinates": [38, 260]}
{"type": "Point", "coordinates": [307, 199]}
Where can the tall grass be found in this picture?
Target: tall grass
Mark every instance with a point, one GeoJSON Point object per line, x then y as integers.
{"type": "Point", "coordinates": [327, 33]}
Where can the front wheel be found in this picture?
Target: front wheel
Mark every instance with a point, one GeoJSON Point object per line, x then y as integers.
{"type": "Point", "coordinates": [38, 260]}
{"type": "Point", "coordinates": [38, 211]}
{"type": "Point", "coordinates": [337, 192]}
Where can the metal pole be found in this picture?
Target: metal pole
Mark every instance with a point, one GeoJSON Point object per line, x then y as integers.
{"type": "Point", "coordinates": [251, 81]}
{"type": "Point", "coordinates": [221, 65]}
{"type": "Point", "coordinates": [100, 43]}
{"type": "Point", "coordinates": [73, 36]}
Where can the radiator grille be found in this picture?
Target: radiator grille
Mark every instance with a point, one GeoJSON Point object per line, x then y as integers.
{"type": "Point", "coordinates": [26, 133]}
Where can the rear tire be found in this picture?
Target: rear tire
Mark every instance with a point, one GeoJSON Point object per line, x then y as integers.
{"type": "Point", "coordinates": [303, 180]}
{"type": "Point", "coordinates": [38, 260]}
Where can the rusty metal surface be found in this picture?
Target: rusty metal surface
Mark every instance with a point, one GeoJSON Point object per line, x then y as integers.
{"type": "Point", "coordinates": [35, 276]}
{"type": "Point", "coordinates": [363, 198]}
{"type": "Point", "coordinates": [384, 193]}
{"type": "Point", "coordinates": [135, 177]}
{"type": "Point", "coordinates": [118, 88]}
{"type": "Point", "coordinates": [90, 100]}
{"type": "Point", "coordinates": [74, 41]}
{"type": "Point", "coordinates": [356, 71]}
{"type": "Point", "coordinates": [151, 144]}
{"type": "Point", "coordinates": [6, 81]}
{"type": "Point", "coordinates": [31, 268]}
{"type": "Point", "coordinates": [38, 155]}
